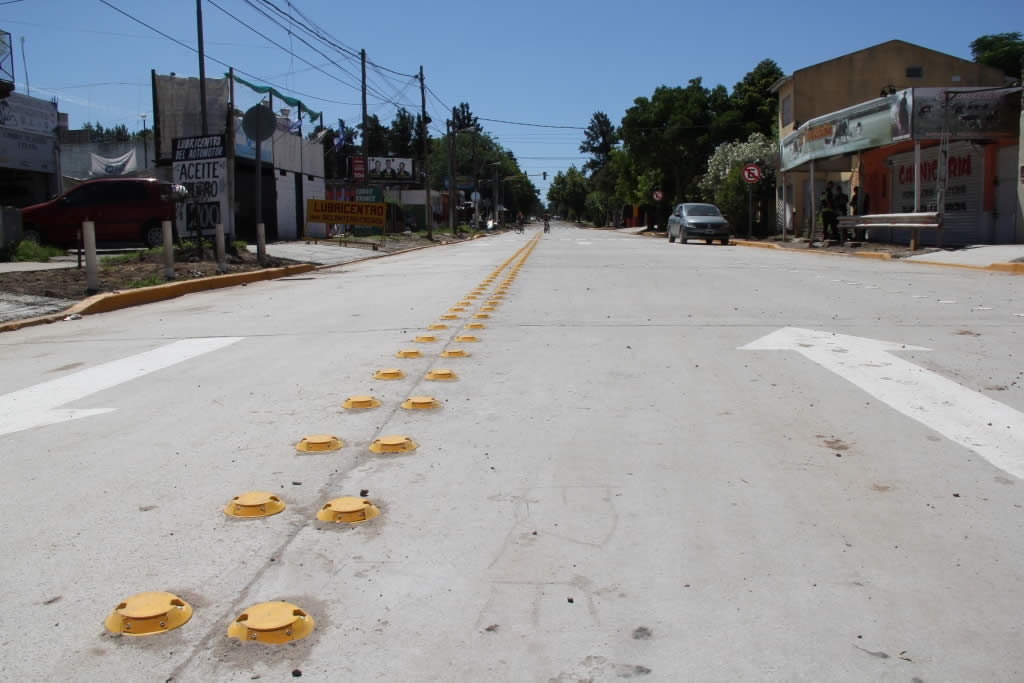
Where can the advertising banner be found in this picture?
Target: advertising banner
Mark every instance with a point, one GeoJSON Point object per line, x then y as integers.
{"type": "Point", "coordinates": [358, 168]}
{"type": "Point", "coordinates": [28, 115]}
{"type": "Point", "coordinates": [874, 123]}
{"type": "Point", "coordinates": [126, 163]}
{"type": "Point", "coordinates": [201, 166]}
{"type": "Point", "coordinates": [389, 168]}
{"type": "Point", "coordinates": [347, 213]}
{"type": "Point", "coordinates": [369, 194]}
{"type": "Point", "coordinates": [966, 113]}
{"type": "Point", "coordinates": [27, 151]}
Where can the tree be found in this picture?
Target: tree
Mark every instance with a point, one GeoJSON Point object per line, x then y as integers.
{"type": "Point", "coordinates": [401, 134]}
{"type": "Point", "coordinates": [463, 117]}
{"type": "Point", "coordinates": [723, 184]}
{"type": "Point", "coordinates": [598, 140]}
{"type": "Point", "coordinates": [374, 137]}
{"type": "Point", "coordinates": [1000, 50]}
{"type": "Point", "coordinates": [753, 99]}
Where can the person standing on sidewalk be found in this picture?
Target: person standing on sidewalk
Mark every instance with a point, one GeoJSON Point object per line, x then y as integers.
{"type": "Point", "coordinates": [841, 204]}
{"type": "Point", "coordinates": [828, 211]}
{"type": "Point", "coordinates": [861, 205]}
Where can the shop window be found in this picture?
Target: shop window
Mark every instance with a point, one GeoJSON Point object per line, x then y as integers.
{"type": "Point", "coordinates": [787, 110]}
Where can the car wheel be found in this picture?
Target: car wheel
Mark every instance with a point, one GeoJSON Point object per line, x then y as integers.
{"type": "Point", "coordinates": [153, 235]}
{"type": "Point", "coordinates": [671, 238]}
{"type": "Point", "coordinates": [30, 234]}
{"type": "Point", "coordinates": [725, 241]}
{"type": "Point", "coordinates": [708, 241]}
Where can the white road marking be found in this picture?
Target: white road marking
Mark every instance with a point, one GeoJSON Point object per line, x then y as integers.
{"type": "Point", "coordinates": [982, 308]}
{"type": "Point", "coordinates": [920, 296]}
{"type": "Point", "coordinates": [37, 406]}
{"type": "Point", "coordinates": [947, 301]}
{"type": "Point", "coordinates": [991, 429]}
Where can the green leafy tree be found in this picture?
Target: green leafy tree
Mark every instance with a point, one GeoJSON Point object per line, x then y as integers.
{"type": "Point", "coordinates": [754, 101]}
{"type": "Point", "coordinates": [723, 184]}
{"type": "Point", "coordinates": [401, 134]}
{"type": "Point", "coordinates": [1000, 50]}
{"type": "Point", "coordinates": [374, 137]}
{"type": "Point", "coordinates": [599, 139]}
{"type": "Point", "coordinates": [463, 117]}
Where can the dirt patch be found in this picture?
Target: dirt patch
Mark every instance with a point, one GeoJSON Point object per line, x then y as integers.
{"type": "Point", "coordinates": [126, 272]}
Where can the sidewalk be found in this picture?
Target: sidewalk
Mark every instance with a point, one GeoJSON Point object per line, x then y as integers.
{"type": "Point", "coordinates": [981, 255]}
{"type": "Point", "coordinates": [323, 254]}
{"type": "Point", "coordinates": [32, 266]}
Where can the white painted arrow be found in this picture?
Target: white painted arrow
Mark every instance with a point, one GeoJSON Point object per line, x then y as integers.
{"type": "Point", "coordinates": [39, 405]}
{"type": "Point", "coordinates": [991, 429]}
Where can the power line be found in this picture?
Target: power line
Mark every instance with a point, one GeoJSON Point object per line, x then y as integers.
{"type": "Point", "coordinates": [252, 4]}
{"type": "Point", "coordinates": [214, 59]}
{"type": "Point", "coordinates": [10, 2]}
{"type": "Point", "coordinates": [532, 125]}
{"type": "Point", "coordinates": [272, 41]}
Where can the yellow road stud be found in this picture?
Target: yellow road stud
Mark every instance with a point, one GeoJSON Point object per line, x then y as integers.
{"type": "Point", "coordinates": [271, 622]}
{"type": "Point", "coordinates": [395, 443]}
{"type": "Point", "coordinates": [319, 442]}
{"type": "Point", "coordinates": [442, 375]}
{"type": "Point", "coordinates": [420, 403]}
{"type": "Point", "coordinates": [146, 614]}
{"type": "Point", "coordinates": [254, 504]}
{"type": "Point", "coordinates": [389, 373]}
{"type": "Point", "coordinates": [408, 353]}
{"type": "Point", "coordinates": [347, 510]}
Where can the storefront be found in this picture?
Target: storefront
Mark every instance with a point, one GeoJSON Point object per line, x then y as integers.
{"type": "Point", "coordinates": [29, 168]}
{"type": "Point", "coordinates": [961, 139]}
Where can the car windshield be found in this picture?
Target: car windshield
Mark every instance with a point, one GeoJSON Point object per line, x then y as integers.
{"type": "Point", "coordinates": [700, 210]}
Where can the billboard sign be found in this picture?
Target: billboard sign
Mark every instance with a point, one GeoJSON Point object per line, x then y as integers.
{"type": "Point", "coordinates": [390, 168]}
{"type": "Point", "coordinates": [874, 123]}
{"type": "Point", "coordinates": [347, 213]}
{"type": "Point", "coordinates": [966, 113]}
{"type": "Point", "coordinates": [200, 164]}
{"type": "Point", "coordinates": [369, 194]}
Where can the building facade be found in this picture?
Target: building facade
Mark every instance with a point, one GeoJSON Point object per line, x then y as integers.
{"type": "Point", "coordinates": [849, 80]}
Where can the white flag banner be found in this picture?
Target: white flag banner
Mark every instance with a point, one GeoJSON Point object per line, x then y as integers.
{"type": "Point", "coordinates": [125, 163]}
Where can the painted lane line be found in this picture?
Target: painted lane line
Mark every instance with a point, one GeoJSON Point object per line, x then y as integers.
{"type": "Point", "coordinates": [1018, 315]}
{"type": "Point", "coordinates": [920, 296]}
{"type": "Point", "coordinates": [947, 301]}
{"type": "Point", "coordinates": [991, 429]}
{"type": "Point", "coordinates": [870, 286]}
{"type": "Point", "coordinates": [39, 405]}
{"type": "Point", "coordinates": [982, 308]}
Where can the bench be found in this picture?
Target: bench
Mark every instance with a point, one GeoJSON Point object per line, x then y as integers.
{"type": "Point", "coordinates": [915, 222]}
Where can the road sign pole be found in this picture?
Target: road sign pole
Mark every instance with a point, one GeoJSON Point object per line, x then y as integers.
{"type": "Point", "coordinates": [750, 213]}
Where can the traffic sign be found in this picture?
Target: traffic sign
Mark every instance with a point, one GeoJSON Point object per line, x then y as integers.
{"type": "Point", "coordinates": [658, 195]}
{"type": "Point", "coordinates": [751, 173]}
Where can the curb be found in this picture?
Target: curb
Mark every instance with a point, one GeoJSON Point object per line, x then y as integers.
{"type": "Point", "coordinates": [113, 301]}
{"type": "Point", "coordinates": [1009, 268]}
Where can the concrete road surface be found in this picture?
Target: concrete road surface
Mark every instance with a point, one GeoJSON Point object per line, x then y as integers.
{"type": "Point", "coordinates": [660, 462]}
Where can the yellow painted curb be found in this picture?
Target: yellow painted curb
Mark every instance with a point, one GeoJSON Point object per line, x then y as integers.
{"type": "Point", "coordinates": [113, 301]}
{"type": "Point", "coordinates": [880, 255]}
{"type": "Point", "coordinates": [759, 245]}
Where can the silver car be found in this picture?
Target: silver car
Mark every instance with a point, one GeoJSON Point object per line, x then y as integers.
{"type": "Point", "coordinates": [698, 221]}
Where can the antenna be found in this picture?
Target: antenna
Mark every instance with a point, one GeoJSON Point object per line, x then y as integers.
{"type": "Point", "coordinates": [28, 90]}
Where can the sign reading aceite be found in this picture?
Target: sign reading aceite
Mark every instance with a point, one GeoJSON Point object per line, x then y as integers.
{"type": "Point", "coordinates": [348, 213]}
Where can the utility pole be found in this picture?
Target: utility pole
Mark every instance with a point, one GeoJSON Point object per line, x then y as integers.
{"type": "Point", "coordinates": [366, 149]}
{"type": "Point", "coordinates": [428, 213]}
{"type": "Point", "coordinates": [453, 190]}
{"type": "Point", "coordinates": [202, 66]}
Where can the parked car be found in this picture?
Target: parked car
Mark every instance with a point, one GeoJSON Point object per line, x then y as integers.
{"type": "Point", "coordinates": [124, 210]}
{"type": "Point", "coordinates": [698, 221]}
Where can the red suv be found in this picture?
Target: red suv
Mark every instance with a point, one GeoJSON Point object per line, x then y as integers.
{"type": "Point", "coordinates": [124, 210]}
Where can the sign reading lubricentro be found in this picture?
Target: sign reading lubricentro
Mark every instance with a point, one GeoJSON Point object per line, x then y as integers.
{"type": "Point", "coordinates": [347, 213]}
{"type": "Point", "coordinates": [201, 166]}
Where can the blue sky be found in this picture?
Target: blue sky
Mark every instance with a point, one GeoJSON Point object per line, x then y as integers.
{"type": "Point", "coordinates": [552, 62]}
